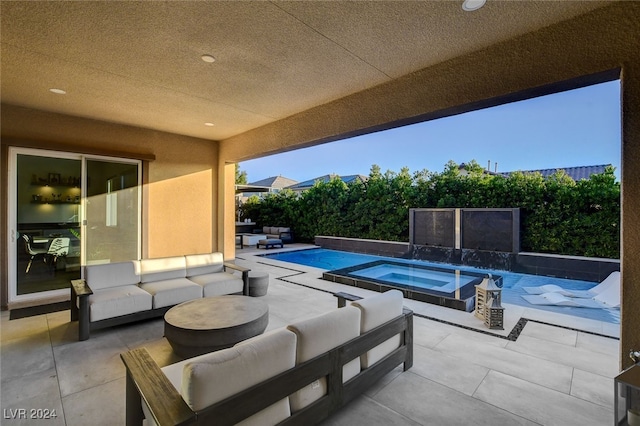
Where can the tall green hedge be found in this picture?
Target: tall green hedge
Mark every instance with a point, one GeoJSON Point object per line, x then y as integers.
{"type": "Point", "coordinates": [558, 215]}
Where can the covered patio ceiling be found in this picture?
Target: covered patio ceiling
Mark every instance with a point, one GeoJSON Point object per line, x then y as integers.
{"type": "Point", "coordinates": [140, 63]}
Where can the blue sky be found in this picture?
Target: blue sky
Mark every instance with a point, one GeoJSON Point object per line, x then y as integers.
{"type": "Point", "coordinates": [575, 128]}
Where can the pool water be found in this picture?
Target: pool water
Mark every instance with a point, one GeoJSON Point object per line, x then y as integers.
{"type": "Point", "coordinates": [324, 258]}
{"type": "Point", "coordinates": [512, 283]}
{"type": "Point", "coordinates": [432, 280]}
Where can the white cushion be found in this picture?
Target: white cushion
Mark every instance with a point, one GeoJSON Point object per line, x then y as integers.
{"type": "Point", "coordinates": [209, 263]}
{"type": "Point", "coordinates": [111, 275]}
{"type": "Point", "coordinates": [375, 311]}
{"type": "Point", "coordinates": [162, 269]}
{"type": "Point", "coordinates": [317, 336]}
{"type": "Point", "coordinates": [114, 302]}
{"type": "Point", "coordinates": [219, 283]}
{"type": "Point", "coordinates": [171, 292]}
{"type": "Point", "coordinates": [207, 379]}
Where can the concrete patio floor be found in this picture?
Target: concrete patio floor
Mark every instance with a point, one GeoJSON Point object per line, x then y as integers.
{"type": "Point", "coordinates": [550, 375]}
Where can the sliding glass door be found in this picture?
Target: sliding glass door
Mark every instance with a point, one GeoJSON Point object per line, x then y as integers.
{"type": "Point", "coordinates": [44, 220]}
{"type": "Point", "coordinates": [67, 210]}
{"type": "Point", "coordinates": [112, 205]}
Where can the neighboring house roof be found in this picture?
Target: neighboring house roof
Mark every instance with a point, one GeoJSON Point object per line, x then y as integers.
{"type": "Point", "coordinates": [576, 173]}
{"type": "Point", "coordinates": [326, 178]}
{"type": "Point", "coordinates": [278, 182]}
{"type": "Point", "coordinates": [271, 184]}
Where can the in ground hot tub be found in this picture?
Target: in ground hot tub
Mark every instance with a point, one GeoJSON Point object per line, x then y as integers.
{"type": "Point", "coordinates": [451, 288]}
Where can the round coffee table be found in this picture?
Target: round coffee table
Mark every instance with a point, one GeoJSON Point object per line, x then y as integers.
{"type": "Point", "coordinates": [205, 325]}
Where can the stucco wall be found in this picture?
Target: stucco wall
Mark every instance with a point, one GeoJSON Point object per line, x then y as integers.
{"type": "Point", "coordinates": [588, 49]}
{"type": "Point", "coordinates": [180, 191]}
{"type": "Point", "coordinates": [537, 63]}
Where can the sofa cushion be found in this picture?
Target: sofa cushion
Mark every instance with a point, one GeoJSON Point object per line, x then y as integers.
{"type": "Point", "coordinates": [171, 292]}
{"type": "Point", "coordinates": [111, 275]}
{"type": "Point", "coordinates": [375, 311]}
{"type": "Point", "coordinates": [114, 302]}
{"type": "Point", "coordinates": [207, 379]}
{"type": "Point", "coordinates": [199, 264]}
{"type": "Point", "coordinates": [219, 283]}
{"type": "Point", "coordinates": [281, 229]}
{"type": "Point", "coordinates": [165, 268]}
{"type": "Point", "coordinates": [318, 335]}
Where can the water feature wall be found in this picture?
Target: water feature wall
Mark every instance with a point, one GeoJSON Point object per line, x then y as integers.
{"type": "Point", "coordinates": [476, 229]}
{"type": "Point", "coordinates": [486, 238]}
{"type": "Point", "coordinates": [490, 229]}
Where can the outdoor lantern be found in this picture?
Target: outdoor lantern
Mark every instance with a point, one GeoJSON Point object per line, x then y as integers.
{"type": "Point", "coordinates": [494, 314]}
{"type": "Point", "coordinates": [627, 397]}
{"type": "Point", "coordinates": [486, 290]}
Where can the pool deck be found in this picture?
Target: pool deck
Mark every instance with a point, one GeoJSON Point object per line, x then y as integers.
{"type": "Point", "coordinates": [463, 373]}
{"type": "Point", "coordinates": [311, 277]}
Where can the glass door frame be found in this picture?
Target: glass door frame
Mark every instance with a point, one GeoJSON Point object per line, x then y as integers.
{"type": "Point", "coordinates": [84, 207]}
{"type": "Point", "coordinates": [12, 219]}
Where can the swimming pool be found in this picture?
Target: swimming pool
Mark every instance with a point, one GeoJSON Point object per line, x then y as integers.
{"type": "Point", "coordinates": [512, 283]}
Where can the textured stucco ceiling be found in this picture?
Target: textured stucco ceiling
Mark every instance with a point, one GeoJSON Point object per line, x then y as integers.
{"type": "Point", "coordinates": [138, 63]}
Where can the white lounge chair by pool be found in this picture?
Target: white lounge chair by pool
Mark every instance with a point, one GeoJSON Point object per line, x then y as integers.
{"type": "Point", "coordinates": [613, 280]}
{"type": "Point", "coordinates": [556, 299]}
{"type": "Point", "coordinates": [604, 295]}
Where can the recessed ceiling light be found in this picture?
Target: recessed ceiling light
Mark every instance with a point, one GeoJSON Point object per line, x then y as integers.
{"type": "Point", "coordinates": [471, 5]}
{"type": "Point", "coordinates": [208, 58]}
{"type": "Point", "coordinates": [58, 91]}
{"type": "Point", "coordinates": [209, 124]}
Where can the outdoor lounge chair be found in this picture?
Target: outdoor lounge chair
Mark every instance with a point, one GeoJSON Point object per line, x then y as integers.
{"type": "Point", "coordinates": [607, 295]}
{"type": "Point", "coordinates": [613, 280]}
{"type": "Point", "coordinates": [556, 299]}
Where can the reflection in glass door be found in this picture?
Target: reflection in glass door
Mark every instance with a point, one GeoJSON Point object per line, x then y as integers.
{"type": "Point", "coordinates": [45, 227]}
{"type": "Point", "coordinates": [112, 219]}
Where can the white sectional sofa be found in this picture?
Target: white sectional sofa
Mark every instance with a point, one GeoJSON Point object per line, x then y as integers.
{"type": "Point", "coordinates": [298, 374]}
{"type": "Point", "coordinates": [122, 292]}
{"type": "Point", "coordinates": [276, 232]}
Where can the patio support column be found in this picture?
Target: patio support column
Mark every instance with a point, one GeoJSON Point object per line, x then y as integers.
{"type": "Point", "coordinates": [630, 239]}
{"type": "Point", "coordinates": [226, 222]}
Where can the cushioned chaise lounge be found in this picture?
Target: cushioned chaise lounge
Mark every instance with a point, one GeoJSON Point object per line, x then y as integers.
{"type": "Point", "coordinates": [612, 280]}
{"type": "Point", "coordinates": [270, 243]}
{"type": "Point", "coordinates": [604, 295]}
{"type": "Point", "coordinates": [556, 299]}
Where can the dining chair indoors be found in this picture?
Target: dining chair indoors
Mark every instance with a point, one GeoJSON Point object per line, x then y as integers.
{"type": "Point", "coordinates": [33, 252]}
{"type": "Point", "coordinates": [59, 247]}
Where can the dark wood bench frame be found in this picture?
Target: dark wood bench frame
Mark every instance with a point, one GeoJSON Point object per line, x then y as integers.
{"type": "Point", "coordinates": [80, 292]}
{"type": "Point", "coordinates": [145, 381]}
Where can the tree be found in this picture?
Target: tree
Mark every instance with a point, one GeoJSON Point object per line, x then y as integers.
{"type": "Point", "coordinates": [241, 176]}
{"type": "Point", "coordinates": [557, 214]}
